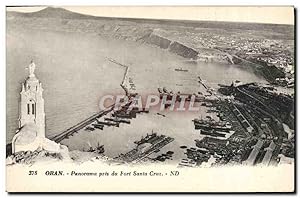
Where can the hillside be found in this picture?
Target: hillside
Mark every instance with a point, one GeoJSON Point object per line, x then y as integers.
{"type": "Point", "coordinates": [51, 12]}
{"type": "Point", "coordinates": [195, 40]}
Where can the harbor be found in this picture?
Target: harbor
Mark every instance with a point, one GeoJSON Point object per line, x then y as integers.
{"type": "Point", "coordinates": [257, 135]}
{"type": "Point", "coordinates": [159, 101]}
{"type": "Point", "coordinates": [225, 130]}
{"type": "Point", "coordinates": [232, 110]}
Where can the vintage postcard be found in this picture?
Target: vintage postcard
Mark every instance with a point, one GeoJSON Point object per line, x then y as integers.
{"type": "Point", "coordinates": [150, 99]}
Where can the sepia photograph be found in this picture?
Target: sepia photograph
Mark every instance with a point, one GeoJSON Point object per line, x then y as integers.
{"type": "Point", "coordinates": [160, 98]}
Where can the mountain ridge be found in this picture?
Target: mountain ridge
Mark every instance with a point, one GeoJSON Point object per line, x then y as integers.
{"type": "Point", "coordinates": [61, 13]}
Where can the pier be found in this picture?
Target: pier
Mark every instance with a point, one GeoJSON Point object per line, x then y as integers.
{"type": "Point", "coordinates": [70, 131]}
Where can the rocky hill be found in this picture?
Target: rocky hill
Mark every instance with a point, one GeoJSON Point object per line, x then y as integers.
{"type": "Point", "coordinates": [50, 12]}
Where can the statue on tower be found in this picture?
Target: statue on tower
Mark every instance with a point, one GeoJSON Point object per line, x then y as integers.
{"type": "Point", "coordinates": [31, 68]}
{"type": "Point", "coordinates": [31, 133]}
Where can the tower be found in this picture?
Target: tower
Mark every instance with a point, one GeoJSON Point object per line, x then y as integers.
{"type": "Point", "coordinates": [32, 103]}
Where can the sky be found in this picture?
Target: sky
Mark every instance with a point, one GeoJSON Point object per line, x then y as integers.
{"type": "Point", "coordinates": [258, 14]}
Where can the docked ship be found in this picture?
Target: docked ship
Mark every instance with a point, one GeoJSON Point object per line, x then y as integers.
{"type": "Point", "coordinates": [148, 139]}
{"type": "Point", "coordinates": [187, 163]}
{"type": "Point", "coordinates": [145, 147]}
{"type": "Point", "coordinates": [116, 119]}
{"type": "Point", "coordinates": [107, 123]}
{"type": "Point", "coordinates": [213, 133]}
{"type": "Point", "coordinates": [212, 125]}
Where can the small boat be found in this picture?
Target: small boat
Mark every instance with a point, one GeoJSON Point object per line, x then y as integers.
{"type": "Point", "coordinates": [165, 90]}
{"type": "Point", "coordinates": [117, 120]}
{"type": "Point", "coordinates": [161, 114]}
{"type": "Point", "coordinates": [89, 128]}
{"type": "Point", "coordinates": [124, 115]}
{"type": "Point", "coordinates": [188, 163]}
{"type": "Point", "coordinates": [181, 70]}
{"type": "Point", "coordinates": [98, 126]}
{"type": "Point", "coordinates": [108, 123]}
{"type": "Point", "coordinates": [99, 149]}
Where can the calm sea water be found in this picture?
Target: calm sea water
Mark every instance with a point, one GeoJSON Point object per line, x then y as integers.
{"type": "Point", "coordinates": [75, 73]}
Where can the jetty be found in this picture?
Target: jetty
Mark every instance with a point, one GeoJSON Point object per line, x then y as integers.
{"type": "Point", "coordinates": [70, 131]}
